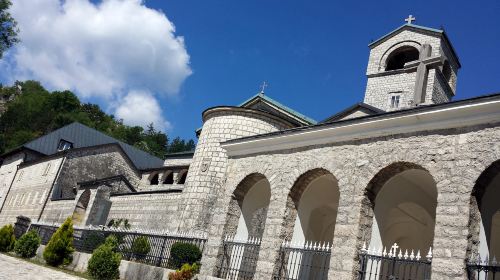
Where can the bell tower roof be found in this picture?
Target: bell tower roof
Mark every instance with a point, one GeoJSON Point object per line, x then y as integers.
{"type": "Point", "coordinates": [440, 33]}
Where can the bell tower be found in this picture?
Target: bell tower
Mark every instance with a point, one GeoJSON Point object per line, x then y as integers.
{"type": "Point", "coordinates": [411, 66]}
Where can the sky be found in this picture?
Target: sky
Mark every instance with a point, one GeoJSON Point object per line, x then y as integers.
{"type": "Point", "coordinates": [166, 61]}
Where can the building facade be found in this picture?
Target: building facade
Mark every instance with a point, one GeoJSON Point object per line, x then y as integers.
{"type": "Point", "coordinates": [407, 171]}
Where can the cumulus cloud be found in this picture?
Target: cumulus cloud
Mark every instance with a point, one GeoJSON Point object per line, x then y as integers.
{"type": "Point", "coordinates": [99, 49]}
{"type": "Point", "coordinates": [141, 108]}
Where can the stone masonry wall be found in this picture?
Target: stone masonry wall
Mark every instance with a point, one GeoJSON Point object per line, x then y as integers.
{"type": "Point", "coordinates": [7, 173]}
{"type": "Point", "coordinates": [208, 169]}
{"type": "Point", "coordinates": [90, 164]}
{"type": "Point", "coordinates": [455, 158]}
{"type": "Point", "coordinates": [147, 211]}
{"type": "Point", "coordinates": [30, 190]}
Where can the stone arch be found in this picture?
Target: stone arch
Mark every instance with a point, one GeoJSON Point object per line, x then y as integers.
{"type": "Point", "coordinates": [81, 208]}
{"type": "Point", "coordinates": [168, 177]}
{"type": "Point", "coordinates": [400, 207]}
{"type": "Point", "coordinates": [405, 44]}
{"type": "Point", "coordinates": [181, 177]}
{"type": "Point", "coordinates": [447, 72]}
{"type": "Point", "coordinates": [484, 224]}
{"type": "Point", "coordinates": [248, 207]}
{"type": "Point", "coordinates": [304, 206]}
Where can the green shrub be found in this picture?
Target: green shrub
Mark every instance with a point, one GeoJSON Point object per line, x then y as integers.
{"type": "Point", "coordinates": [105, 262]}
{"type": "Point", "coordinates": [183, 253]}
{"type": "Point", "coordinates": [60, 249]}
{"type": "Point", "coordinates": [140, 247]}
{"type": "Point", "coordinates": [27, 245]}
{"type": "Point", "coordinates": [7, 238]}
{"type": "Point", "coordinates": [185, 273]}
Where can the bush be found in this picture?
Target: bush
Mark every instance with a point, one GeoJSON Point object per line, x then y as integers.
{"type": "Point", "coordinates": [105, 262]}
{"type": "Point", "coordinates": [185, 273]}
{"type": "Point", "coordinates": [27, 245]}
{"type": "Point", "coordinates": [60, 249]}
{"type": "Point", "coordinates": [7, 238]}
{"type": "Point", "coordinates": [140, 247]}
{"type": "Point", "coordinates": [183, 253]}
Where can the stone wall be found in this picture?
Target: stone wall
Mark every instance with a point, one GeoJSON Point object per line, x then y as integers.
{"type": "Point", "coordinates": [93, 163]}
{"type": "Point", "coordinates": [29, 190]}
{"type": "Point", "coordinates": [147, 211]}
{"type": "Point", "coordinates": [207, 171]}
{"type": "Point", "coordinates": [455, 158]}
{"type": "Point", "coordinates": [7, 172]}
{"type": "Point", "coordinates": [56, 211]}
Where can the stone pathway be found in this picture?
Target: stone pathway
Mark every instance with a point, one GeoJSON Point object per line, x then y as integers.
{"type": "Point", "coordinates": [12, 268]}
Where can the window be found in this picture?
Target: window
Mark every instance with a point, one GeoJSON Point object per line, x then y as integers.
{"type": "Point", "coordinates": [64, 145]}
{"type": "Point", "coordinates": [395, 101]}
{"type": "Point", "coordinates": [169, 178]}
{"type": "Point", "coordinates": [47, 168]}
{"type": "Point", "coordinates": [154, 180]}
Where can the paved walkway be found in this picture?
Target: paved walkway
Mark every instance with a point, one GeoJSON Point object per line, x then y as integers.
{"type": "Point", "coordinates": [12, 268]}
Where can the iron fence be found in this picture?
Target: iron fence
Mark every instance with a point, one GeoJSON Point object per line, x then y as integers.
{"type": "Point", "coordinates": [483, 269]}
{"type": "Point", "coordinates": [394, 265]}
{"type": "Point", "coordinates": [310, 260]}
{"type": "Point", "coordinates": [87, 239]}
{"type": "Point", "coordinates": [239, 258]}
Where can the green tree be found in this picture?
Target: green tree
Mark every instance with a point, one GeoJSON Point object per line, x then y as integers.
{"type": "Point", "coordinates": [8, 27]}
{"type": "Point", "coordinates": [60, 249]}
{"type": "Point", "coordinates": [105, 262]}
{"type": "Point", "coordinates": [7, 238]}
{"type": "Point", "coordinates": [27, 245]}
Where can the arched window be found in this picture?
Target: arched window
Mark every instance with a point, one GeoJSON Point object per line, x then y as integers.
{"type": "Point", "coordinates": [169, 178]}
{"type": "Point", "coordinates": [154, 179]}
{"type": "Point", "coordinates": [447, 71]}
{"type": "Point", "coordinates": [400, 56]}
{"type": "Point", "coordinates": [182, 177]}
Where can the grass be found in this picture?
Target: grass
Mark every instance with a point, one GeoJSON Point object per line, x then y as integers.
{"type": "Point", "coordinates": [40, 262]}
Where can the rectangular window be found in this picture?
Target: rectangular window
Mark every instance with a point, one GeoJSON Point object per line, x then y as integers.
{"type": "Point", "coordinates": [47, 168]}
{"type": "Point", "coordinates": [64, 145]}
{"type": "Point", "coordinates": [395, 101]}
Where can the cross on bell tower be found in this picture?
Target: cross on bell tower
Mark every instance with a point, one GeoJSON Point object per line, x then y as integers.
{"type": "Point", "coordinates": [410, 19]}
{"type": "Point", "coordinates": [263, 87]}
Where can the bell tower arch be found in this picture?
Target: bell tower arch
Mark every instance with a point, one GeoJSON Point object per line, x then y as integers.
{"type": "Point", "coordinates": [411, 66]}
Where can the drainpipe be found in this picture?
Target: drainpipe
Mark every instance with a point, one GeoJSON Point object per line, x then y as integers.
{"type": "Point", "coordinates": [51, 188]}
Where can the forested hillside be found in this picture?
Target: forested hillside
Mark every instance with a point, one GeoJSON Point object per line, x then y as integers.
{"type": "Point", "coordinates": [35, 112]}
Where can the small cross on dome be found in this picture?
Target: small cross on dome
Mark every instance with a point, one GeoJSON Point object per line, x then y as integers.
{"type": "Point", "coordinates": [263, 87]}
{"type": "Point", "coordinates": [410, 19]}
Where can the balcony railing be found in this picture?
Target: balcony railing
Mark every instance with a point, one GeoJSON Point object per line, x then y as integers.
{"type": "Point", "coordinates": [407, 264]}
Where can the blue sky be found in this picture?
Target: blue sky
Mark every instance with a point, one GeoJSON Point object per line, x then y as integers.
{"type": "Point", "coordinates": [313, 54]}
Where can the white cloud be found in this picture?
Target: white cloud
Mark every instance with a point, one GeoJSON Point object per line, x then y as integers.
{"type": "Point", "coordinates": [141, 108]}
{"type": "Point", "coordinates": [97, 50]}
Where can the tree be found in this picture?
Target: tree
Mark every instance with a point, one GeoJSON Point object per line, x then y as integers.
{"type": "Point", "coordinates": [60, 249]}
{"type": "Point", "coordinates": [8, 27]}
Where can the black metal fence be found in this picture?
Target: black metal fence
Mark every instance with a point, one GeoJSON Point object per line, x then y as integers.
{"type": "Point", "coordinates": [483, 269]}
{"type": "Point", "coordinates": [307, 261]}
{"type": "Point", "coordinates": [239, 258]}
{"type": "Point", "coordinates": [87, 239]}
{"type": "Point", "coordinates": [405, 265]}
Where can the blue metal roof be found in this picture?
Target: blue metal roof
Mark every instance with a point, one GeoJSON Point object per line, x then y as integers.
{"type": "Point", "coordinates": [83, 136]}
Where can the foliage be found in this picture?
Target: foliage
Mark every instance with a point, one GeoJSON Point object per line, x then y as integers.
{"type": "Point", "coordinates": [140, 247]}
{"type": "Point", "coordinates": [27, 244]}
{"type": "Point", "coordinates": [35, 112]}
{"type": "Point", "coordinates": [8, 27]}
{"type": "Point", "coordinates": [105, 262]}
{"type": "Point", "coordinates": [60, 249]}
{"type": "Point", "coordinates": [118, 223]}
{"type": "Point", "coordinates": [7, 238]}
{"type": "Point", "coordinates": [182, 253]}
{"type": "Point", "coordinates": [186, 272]}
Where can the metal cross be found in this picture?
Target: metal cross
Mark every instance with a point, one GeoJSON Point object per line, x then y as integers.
{"type": "Point", "coordinates": [263, 86]}
{"type": "Point", "coordinates": [395, 247]}
{"type": "Point", "coordinates": [410, 19]}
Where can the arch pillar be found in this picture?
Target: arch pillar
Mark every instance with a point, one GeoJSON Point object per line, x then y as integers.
{"type": "Point", "coordinates": [347, 239]}
{"type": "Point", "coordinates": [451, 230]}
{"type": "Point", "coordinates": [273, 233]}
